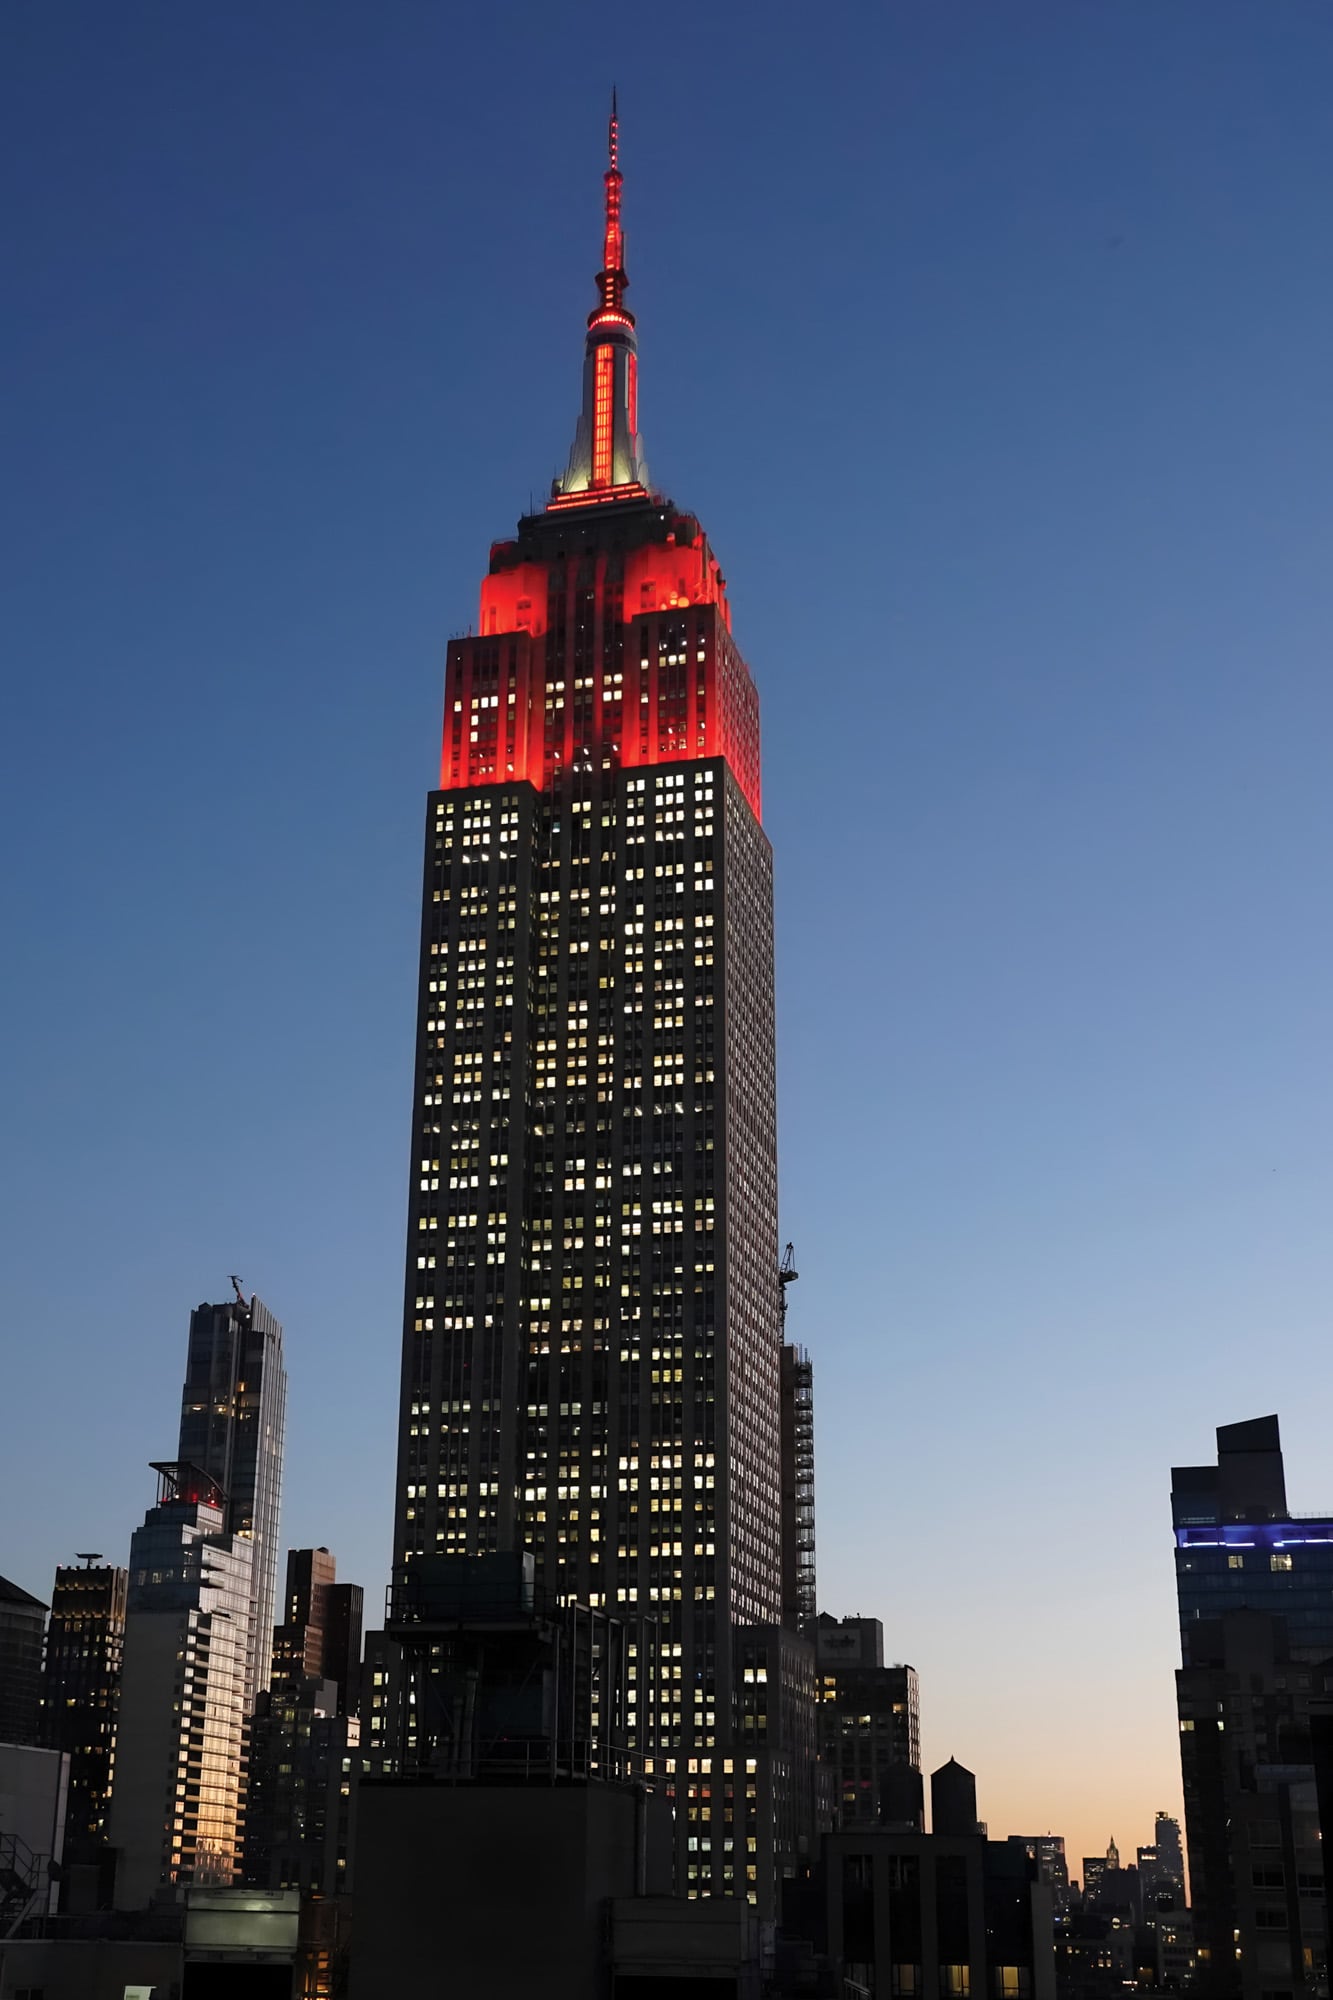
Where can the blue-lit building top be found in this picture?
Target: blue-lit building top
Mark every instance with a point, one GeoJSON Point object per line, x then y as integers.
{"type": "Point", "coordinates": [1238, 1547]}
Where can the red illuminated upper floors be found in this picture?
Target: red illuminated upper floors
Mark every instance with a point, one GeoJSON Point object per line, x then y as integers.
{"type": "Point", "coordinates": [604, 639]}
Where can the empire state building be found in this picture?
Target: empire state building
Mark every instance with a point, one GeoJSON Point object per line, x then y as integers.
{"type": "Point", "coordinates": [592, 1341]}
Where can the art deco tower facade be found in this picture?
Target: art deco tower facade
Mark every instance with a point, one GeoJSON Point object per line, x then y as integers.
{"type": "Point", "coordinates": [592, 1344]}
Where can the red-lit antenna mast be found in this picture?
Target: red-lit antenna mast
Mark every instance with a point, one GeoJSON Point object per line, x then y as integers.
{"type": "Point", "coordinates": [611, 279]}
{"type": "Point", "coordinates": [607, 459]}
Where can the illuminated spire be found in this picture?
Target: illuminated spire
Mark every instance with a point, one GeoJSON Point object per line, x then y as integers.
{"type": "Point", "coordinates": [611, 279]}
{"type": "Point", "coordinates": [608, 453]}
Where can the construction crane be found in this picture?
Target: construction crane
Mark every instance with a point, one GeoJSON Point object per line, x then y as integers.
{"type": "Point", "coordinates": [787, 1275]}
{"type": "Point", "coordinates": [241, 1299]}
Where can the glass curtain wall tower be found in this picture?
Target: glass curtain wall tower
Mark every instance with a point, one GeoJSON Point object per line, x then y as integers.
{"type": "Point", "coordinates": [233, 1421]}
{"type": "Point", "coordinates": [591, 1354]}
{"type": "Point", "coordinates": [178, 1793]}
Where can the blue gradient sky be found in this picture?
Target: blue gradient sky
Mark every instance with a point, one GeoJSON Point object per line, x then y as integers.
{"type": "Point", "coordinates": [991, 342]}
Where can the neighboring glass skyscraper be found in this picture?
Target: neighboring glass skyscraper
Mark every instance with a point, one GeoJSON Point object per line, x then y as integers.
{"type": "Point", "coordinates": [1255, 1586]}
{"type": "Point", "coordinates": [591, 1352]}
{"type": "Point", "coordinates": [178, 1794]}
{"type": "Point", "coordinates": [233, 1416]}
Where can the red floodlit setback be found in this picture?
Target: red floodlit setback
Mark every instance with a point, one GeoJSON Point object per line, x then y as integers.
{"type": "Point", "coordinates": [660, 680]}
{"type": "Point", "coordinates": [561, 503]}
{"type": "Point", "coordinates": [601, 646]}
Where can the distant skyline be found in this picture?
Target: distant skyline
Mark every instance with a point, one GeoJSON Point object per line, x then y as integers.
{"type": "Point", "coordinates": [990, 346]}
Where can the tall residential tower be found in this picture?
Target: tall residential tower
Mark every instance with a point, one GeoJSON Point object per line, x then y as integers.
{"type": "Point", "coordinates": [177, 1812]}
{"type": "Point", "coordinates": [591, 1352]}
{"type": "Point", "coordinates": [233, 1415]}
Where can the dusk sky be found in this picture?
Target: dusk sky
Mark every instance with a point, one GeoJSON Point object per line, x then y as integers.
{"type": "Point", "coordinates": [991, 342]}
